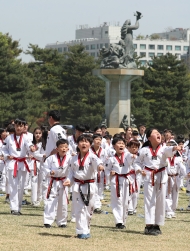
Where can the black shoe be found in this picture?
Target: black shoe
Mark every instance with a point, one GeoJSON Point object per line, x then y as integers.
{"type": "Point", "coordinates": [63, 226]}
{"type": "Point", "coordinates": [97, 211]}
{"type": "Point", "coordinates": [130, 212]}
{"type": "Point", "coordinates": [120, 226]}
{"type": "Point", "coordinates": [71, 197]}
{"type": "Point", "coordinates": [15, 212]}
{"type": "Point", "coordinates": [150, 231]}
{"type": "Point", "coordinates": [47, 225]}
{"type": "Point", "coordinates": [157, 229]}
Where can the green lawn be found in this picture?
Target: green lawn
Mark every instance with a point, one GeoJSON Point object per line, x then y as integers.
{"type": "Point", "coordinates": [26, 232]}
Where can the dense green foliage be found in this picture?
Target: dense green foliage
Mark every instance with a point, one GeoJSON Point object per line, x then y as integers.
{"type": "Point", "coordinates": [65, 82]}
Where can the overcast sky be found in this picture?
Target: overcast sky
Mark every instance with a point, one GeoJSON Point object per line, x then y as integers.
{"type": "Point", "coordinates": [47, 21]}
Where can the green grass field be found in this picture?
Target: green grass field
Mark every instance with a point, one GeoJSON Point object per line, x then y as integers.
{"type": "Point", "coordinates": [26, 232]}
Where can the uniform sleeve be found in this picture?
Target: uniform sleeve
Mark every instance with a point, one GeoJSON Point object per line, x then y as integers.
{"type": "Point", "coordinates": [5, 149]}
{"type": "Point", "coordinates": [47, 167]}
{"type": "Point", "coordinates": [96, 162]}
{"type": "Point", "coordinates": [108, 167]}
{"type": "Point", "coordinates": [70, 176]}
{"type": "Point", "coordinates": [138, 163]}
{"type": "Point", "coordinates": [168, 152]}
{"type": "Point", "coordinates": [182, 168]}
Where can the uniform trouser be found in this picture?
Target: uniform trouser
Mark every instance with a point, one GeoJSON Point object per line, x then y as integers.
{"type": "Point", "coordinates": [97, 202]}
{"type": "Point", "coordinates": [172, 199]}
{"type": "Point", "coordinates": [133, 198]}
{"type": "Point", "coordinates": [2, 177]}
{"type": "Point", "coordinates": [56, 206]}
{"type": "Point", "coordinates": [16, 188]}
{"type": "Point", "coordinates": [83, 213]}
{"type": "Point", "coordinates": [36, 186]}
{"type": "Point", "coordinates": [27, 184]}
{"type": "Point", "coordinates": [45, 181]}
{"type": "Point", "coordinates": [120, 204]}
{"type": "Point", "coordinates": [154, 201]}
{"type": "Point", "coordinates": [72, 206]}
{"type": "Point", "coordinates": [100, 185]}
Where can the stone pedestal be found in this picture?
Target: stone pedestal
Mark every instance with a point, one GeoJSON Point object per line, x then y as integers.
{"type": "Point", "coordinates": [118, 93]}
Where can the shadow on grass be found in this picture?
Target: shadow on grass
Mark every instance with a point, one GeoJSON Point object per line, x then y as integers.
{"type": "Point", "coordinates": [42, 226]}
{"type": "Point", "coordinates": [114, 229]}
{"type": "Point", "coordinates": [57, 235]}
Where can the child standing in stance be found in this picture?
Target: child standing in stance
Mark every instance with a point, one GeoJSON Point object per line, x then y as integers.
{"type": "Point", "coordinates": [82, 171]}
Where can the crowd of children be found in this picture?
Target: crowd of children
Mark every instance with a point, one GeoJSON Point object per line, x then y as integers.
{"type": "Point", "coordinates": [52, 164]}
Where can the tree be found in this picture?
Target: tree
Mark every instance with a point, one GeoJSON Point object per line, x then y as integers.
{"type": "Point", "coordinates": [13, 80]}
{"type": "Point", "coordinates": [84, 97]}
{"type": "Point", "coordinates": [166, 89]}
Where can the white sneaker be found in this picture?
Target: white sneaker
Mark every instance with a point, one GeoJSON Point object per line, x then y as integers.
{"type": "Point", "coordinates": [168, 216]}
{"type": "Point", "coordinates": [36, 204]}
{"type": "Point", "coordinates": [188, 208]}
{"type": "Point", "coordinates": [73, 220]}
{"type": "Point", "coordinates": [26, 192]}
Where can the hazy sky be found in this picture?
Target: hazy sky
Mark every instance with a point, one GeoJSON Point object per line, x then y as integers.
{"type": "Point", "coordinates": [47, 21]}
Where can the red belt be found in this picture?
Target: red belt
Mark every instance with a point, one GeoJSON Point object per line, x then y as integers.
{"type": "Point", "coordinates": [169, 181]}
{"type": "Point", "coordinates": [51, 183]}
{"type": "Point", "coordinates": [153, 172]}
{"type": "Point", "coordinates": [98, 177]}
{"type": "Point", "coordinates": [35, 166]}
{"type": "Point", "coordinates": [82, 182]}
{"type": "Point", "coordinates": [16, 165]}
{"type": "Point", "coordinates": [124, 176]}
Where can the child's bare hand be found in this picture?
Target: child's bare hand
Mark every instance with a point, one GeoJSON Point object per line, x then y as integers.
{"type": "Point", "coordinates": [32, 148]}
{"type": "Point", "coordinates": [1, 158]}
{"type": "Point", "coordinates": [10, 157]}
{"type": "Point", "coordinates": [143, 173]}
{"type": "Point", "coordinates": [100, 168]}
{"type": "Point", "coordinates": [188, 175]}
{"type": "Point", "coordinates": [112, 173]}
{"type": "Point", "coordinates": [52, 173]}
{"type": "Point", "coordinates": [67, 183]}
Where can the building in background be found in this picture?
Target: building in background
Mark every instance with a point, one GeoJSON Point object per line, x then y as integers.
{"type": "Point", "coordinates": [174, 41]}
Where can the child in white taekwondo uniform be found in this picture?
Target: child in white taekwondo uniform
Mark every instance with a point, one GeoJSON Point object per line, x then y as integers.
{"type": "Point", "coordinates": [152, 163]}
{"type": "Point", "coordinates": [57, 167]}
{"type": "Point", "coordinates": [82, 172]}
{"type": "Point", "coordinates": [100, 177]}
{"type": "Point", "coordinates": [15, 151]}
{"type": "Point", "coordinates": [133, 148]}
{"type": "Point", "coordinates": [56, 132]}
{"type": "Point", "coordinates": [79, 130]}
{"type": "Point", "coordinates": [3, 135]}
{"type": "Point", "coordinates": [38, 155]}
{"type": "Point", "coordinates": [120, 169]}
{"type": "Point", "coordinates": [175, 170]}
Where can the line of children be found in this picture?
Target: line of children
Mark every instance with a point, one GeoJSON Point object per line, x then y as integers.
{"type": "Point", "coordinates": [156, 163]}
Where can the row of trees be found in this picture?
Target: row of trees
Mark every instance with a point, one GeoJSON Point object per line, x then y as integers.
{"type": "Point", "coordinates": [65, 82]}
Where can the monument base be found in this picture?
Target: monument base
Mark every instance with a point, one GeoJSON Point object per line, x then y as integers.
{"type": "Point", "coordinates": [113, 131]}
{"type": "Point", "coordinates": [118, 94]}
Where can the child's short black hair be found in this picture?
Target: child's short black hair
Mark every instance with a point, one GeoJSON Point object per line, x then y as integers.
{"type": "Point", "coordinates": [62, 141]}
{"type": "Point", "coordinates": [103, 126]}
{"type": "Point", "coordinates": [1, 131]}
{"type": "Point", "coordinates": [96, 128]}
{"type": "Point", "coordinates": [135, 133]}
{"type": "Point", "coordinates": [87, 127]}
{"type": "Point", "coordinates": [80, 128]}
{"type": "Point", "coordinates": [108, 136]}
{"type": "Point", "coordinates": [20, 121]}
{"type": "Point", "coordinates": [117, 139]}
{"type": "Point", "coordinates": [96, 136]}
{"type": "Point", "coordinates": [85, 137]}
{"type": "Point", "coordinates": [55, 114]}
{"type": "Point", "coordinates": [133, 142]}
{"type": "Point", "coordinates": [11, 128]}
{"type": "Point", "coordinates": [117, 135]}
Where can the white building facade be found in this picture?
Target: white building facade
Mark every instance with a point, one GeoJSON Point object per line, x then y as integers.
{"type": "Point", "coordinates": [98, 37]}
